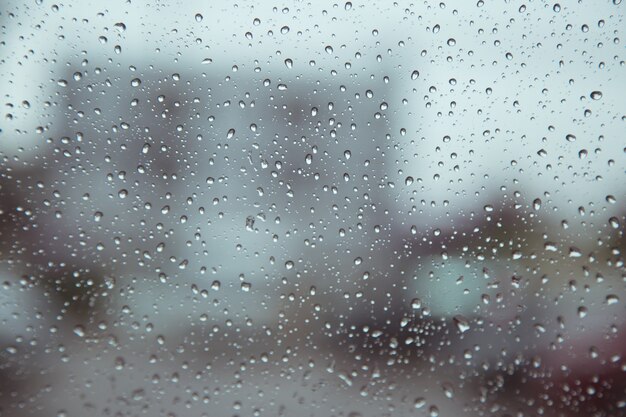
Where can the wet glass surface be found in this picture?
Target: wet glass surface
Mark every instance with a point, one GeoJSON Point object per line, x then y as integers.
{"type": "Point", "coordinates": [312, 208]}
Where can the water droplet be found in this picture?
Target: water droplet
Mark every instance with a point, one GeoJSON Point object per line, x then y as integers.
{"type": "Point", "coordinates": [574, 252]}
{"type": "Point", "coordinates": [250, 223]}
{"type": "Point", "coordinates": [596, 95]}
{"type": "Point", "coordinates": [448, 389]}
{"type": "Point", "coordinates": [419, 402]}
{"type": "Point", "coordinates": [461, 323]}
{"type": "Point", "coordinates": [79, 331]}
{"type": "Point", "coordinates": [119, 363]}
{"type": "Point", "coordinates": [550, 246]}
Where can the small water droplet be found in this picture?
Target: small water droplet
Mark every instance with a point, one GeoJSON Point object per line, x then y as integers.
{"type": "Point", "coordinates": [119, 363]}
{"type": "Point", "coordinates": [574, 252]}
{"type": "Point", "coordinates": [550, 246]}
{"type": "Point", "coordinates": [448, 389]}
{"type": "Point", "coordinates": [461, 323]}
{"type": "Point", "coordinates": [79, 331]}
{"type": "Point", "coordinates": [250, 223]}
{"type": "Point", "coordinates": [596, 95]}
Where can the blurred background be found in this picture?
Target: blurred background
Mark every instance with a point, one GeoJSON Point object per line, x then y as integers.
{"type": "Point", "coordinates": [312, 208]}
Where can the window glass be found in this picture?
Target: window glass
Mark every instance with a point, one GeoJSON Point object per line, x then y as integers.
{"type": "Point", "coordinates": [341, 209]}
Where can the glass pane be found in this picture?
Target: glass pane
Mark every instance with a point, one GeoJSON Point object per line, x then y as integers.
{"type": "Point", "coordinates": [312, 208]}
